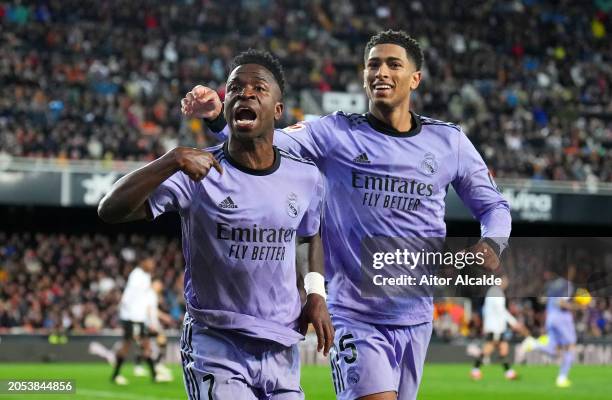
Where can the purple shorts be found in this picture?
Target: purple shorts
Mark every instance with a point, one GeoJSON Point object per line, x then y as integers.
{"type": "Point", "coordinates": [369, 358]}
{"type": "Point", "coordinates": [224, 365]}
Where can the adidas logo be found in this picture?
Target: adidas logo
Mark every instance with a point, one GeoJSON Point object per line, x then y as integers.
{"type": "Point", "coordinates": [361, 159]}
{"type": "Point", "coordinates": [228, 203]}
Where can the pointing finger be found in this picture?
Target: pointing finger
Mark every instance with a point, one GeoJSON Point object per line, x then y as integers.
{"type": "Point", "coordinates": [216, 164]}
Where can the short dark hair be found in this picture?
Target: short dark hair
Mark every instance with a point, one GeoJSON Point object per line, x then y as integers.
{"type": "Point", "coordinates": [263, 58]}
{"type": "Point", "coordinates": [400, 38]}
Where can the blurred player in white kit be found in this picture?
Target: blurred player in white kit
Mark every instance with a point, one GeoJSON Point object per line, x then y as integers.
{"type": "Point", "coordinates": [133, 311]}
{"type": "Point", "coordinates": [496, 319]}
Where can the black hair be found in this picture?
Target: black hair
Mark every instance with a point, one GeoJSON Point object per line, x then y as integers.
{"type": "Point", "coordinates": [400, 38]}
{"type": "Point", "coordinates": [263, 58]}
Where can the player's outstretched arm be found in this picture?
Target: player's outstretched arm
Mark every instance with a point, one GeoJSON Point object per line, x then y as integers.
{"type": "Point", "coordinates": [126, 201]}
{"type": "Point", "coordinates": [515, 324]}
{"type": "Point", "coordinates": [315, 309]}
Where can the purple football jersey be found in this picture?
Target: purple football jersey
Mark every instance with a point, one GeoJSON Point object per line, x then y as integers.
{"type": "Point", "coordinates": [383, 183]}
{"type": "Point", "coordinates": [559, 289]}
{"type": "Point", "coordinates": [559, 321]}
{"type": "Point", "coordinates": [239, 230]}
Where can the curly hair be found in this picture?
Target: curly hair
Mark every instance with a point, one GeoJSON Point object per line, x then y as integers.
{"type": "Point", "coordinates": [263, 58]}
{"type": "Point", "coordinates": [400, 38]}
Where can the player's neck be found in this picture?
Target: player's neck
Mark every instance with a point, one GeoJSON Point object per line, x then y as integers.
{"type": "Point", "coordinates": [256, 154]}
{"type": "Point", "coordinates": [399, 118]}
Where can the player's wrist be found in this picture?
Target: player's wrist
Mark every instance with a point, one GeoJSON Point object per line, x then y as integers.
{"type": "Point", "coordinates": [178, 158]}
{"type": "Point", "coordinates": [314, 283]}
{"type": "Point", "coordinates": [173, 160]}
{"type": "Point", "coordinates": [217, 123]}
{"type": "Point", "coordinates": [495, 246]}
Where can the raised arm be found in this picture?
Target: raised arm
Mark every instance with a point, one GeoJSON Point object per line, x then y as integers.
{"type": "Point", "coordinates": [126, 201]}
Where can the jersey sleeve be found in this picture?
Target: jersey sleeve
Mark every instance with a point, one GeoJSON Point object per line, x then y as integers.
{"type": "Point", "coordinates": [311, 221]}
{"type": "Point", "coordinates": [476, 188]}
{"type": "Point", "coordinates": [510, 318]}
{"type": "Point", "coordinates": [220, 132]}
{"type": "Point", "coordinates": [173, 195]}
{"type": "Point", "coordinates": [306, 139]}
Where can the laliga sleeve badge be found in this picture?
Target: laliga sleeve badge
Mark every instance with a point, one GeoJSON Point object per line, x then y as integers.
{"type": "Point", "coordinates": [295, 127]}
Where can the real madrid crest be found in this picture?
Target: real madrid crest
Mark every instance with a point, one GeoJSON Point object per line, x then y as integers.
{"type": "Point", "coordinates": [429, 165]}
{"type": "Point", "coordinates": [293, 208]}
{"type": "Point", "coordinates": [352, 376]}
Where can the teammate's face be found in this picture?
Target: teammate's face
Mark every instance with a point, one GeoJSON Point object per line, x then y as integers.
{"type": "Point", "coordinates": [389, 76]}
{"type": "Point", "coordinates": [252, 101]}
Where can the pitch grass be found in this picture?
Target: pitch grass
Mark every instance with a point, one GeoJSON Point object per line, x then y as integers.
{"type": "Point", "coordinates": [440, 382]}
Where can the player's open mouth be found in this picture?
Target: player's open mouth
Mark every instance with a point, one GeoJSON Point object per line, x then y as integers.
{"type": "Point", "coordinates": [244, 117]}
{"type": "Point", "coordinates": [381, 89]}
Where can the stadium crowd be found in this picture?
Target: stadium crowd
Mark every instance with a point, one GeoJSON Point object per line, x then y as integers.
{"type": "Point", "coordinates": [451, 321]}
{"type": "Point", "coordinates": [73, 283]}
{"type": "Point", "coordinates": [530, 81]}
{"type": "Point", "coordinates": [60, 283]}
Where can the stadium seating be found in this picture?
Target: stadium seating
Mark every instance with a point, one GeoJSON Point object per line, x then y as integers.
{"type": "Point", "coordinates": [80, 80]}
{"type": "Point", "coordinates": [56, 283]}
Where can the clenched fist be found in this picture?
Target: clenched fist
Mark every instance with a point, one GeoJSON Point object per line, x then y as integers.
{"type": "Point", "coordinates": [195, 163]}
{"type": "Point", "coordinates": [201, 102]}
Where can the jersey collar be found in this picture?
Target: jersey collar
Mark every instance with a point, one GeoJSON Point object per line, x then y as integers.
{"type": "Point", "coordinates": [251, 171]}
{"type": "Point", "coordinates": [385, 129]}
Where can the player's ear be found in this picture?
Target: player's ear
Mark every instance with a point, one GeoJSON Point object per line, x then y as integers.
{"type": "Point", "coordinates": [415, 80]}
{"type": "Point", "coordinates": [278, 110]}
